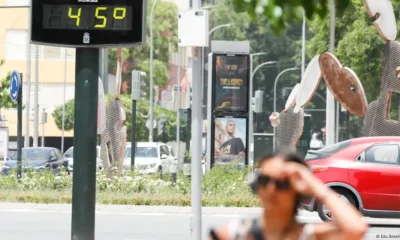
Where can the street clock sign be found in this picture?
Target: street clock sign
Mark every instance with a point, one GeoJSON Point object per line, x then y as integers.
{"type": "Point", "coordinates": [88, 23]}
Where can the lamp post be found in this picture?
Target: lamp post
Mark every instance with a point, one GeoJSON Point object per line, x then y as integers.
{"type": "Point", "coordinates": [252, 72]}
{"type": "Point", "coordinates": [276, 80]}
{"type": "Point", "coordinates": [202, 50]}
{"type": "Point", "coordinates": [151, 72]}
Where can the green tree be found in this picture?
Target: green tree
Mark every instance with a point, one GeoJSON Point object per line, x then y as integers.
{"type": "Point", "coordinates": [281, 13]}
{"type": "Point", "coordinates": [282, 48]}
{"type": "Point", "coordinates": [165, 41]}
{"type": "Point", "coordinates": [5, 99]}
{"type": "Point", "coordinates": [69, 115]}
{"type": "Point", "coordinates": [357, 46]}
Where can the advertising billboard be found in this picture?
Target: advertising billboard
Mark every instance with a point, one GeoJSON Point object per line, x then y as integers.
{"type": "Point", "coordinates": [230, 140]}
{"type": "Point", "coordinates": [231, 83]}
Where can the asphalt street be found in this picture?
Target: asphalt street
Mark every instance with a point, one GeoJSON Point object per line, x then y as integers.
{"type": "Point", "coordinates": [41, 224]}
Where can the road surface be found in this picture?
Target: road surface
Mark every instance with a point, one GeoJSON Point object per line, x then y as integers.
{"type": "Point", "coordinates": [118, 224]}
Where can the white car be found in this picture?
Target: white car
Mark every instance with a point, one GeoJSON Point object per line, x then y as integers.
{"type": "Point", "coordinates": [69, 155]}
{"type": "Point", "coordinates": [150, 157]}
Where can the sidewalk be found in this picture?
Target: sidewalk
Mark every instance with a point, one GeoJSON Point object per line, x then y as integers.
{"type": "Point", "coordinates": [169, 210]}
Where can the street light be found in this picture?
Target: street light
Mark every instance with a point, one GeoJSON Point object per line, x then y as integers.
{"type": "Point", "coordinates": [202, 49]}
{"type": "Point", "coordinates": [276, 80]}
{"type": "Point", "coordinates": [251, 129]}
{"type": "Point", "coordinates": [151, 72]}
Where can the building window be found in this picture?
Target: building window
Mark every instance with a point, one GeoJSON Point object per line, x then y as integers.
{"type": "Point", "coordinates": [16, 44]}
{"type": "Point", "coordinates": [51, 52]}
{"type": "Point", "coordinates": [17, 2]}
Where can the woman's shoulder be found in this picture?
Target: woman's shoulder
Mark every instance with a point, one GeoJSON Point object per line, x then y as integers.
{"type": "Point", "coordinates": [240, 229]}
{"type": "Point", "coordinates": [307, 232]}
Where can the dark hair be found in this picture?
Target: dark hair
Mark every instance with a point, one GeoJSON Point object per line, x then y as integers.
{"type": "Point", "coordinates": [287, 157]}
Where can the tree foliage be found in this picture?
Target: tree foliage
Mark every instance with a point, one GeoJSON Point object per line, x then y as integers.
{"type": "Point", "coordinates": [165, 41]}
{"type": "Point", "coordinates": [281, 13]}
{"type": "Point", "coordinates": [5, 99]}
{"type": "Point", "coordinates": [69, 115]}
{"type": "Point", "coordinates": [283, 48]}
{"type": "Point", "coordinates": [142, 133]}
{"type": "Point", "coordinates": [357, 46]}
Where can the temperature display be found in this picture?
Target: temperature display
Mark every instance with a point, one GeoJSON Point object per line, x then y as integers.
{"type": "Point", "coordinates": [84, 17]}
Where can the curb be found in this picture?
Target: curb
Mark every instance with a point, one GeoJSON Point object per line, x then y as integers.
{"type": "Point", "coordinates": [4, 206]}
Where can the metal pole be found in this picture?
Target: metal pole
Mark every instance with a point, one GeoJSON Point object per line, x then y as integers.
{"type": "Point", "coordinates": [64, 93]}
{"type": "Point", "coordinates": [133, 136]}
{"type": "Point", "coordinates": [151, 73]}
{"type": "Point", "coordinates": [197, 121]}
{"type": "Point", "coordinates": [178, 116]}
{"type": "Point", "coordinates": [85, 118]}
{"type": "Point", "coordinates": [303, 48]}
{"type": "Point", "coordinates": [330, 100]}
{"type": "Point", "coordinates": [251, 121]}
{"type": "Point", "coordinates": [251, 113]}
{"type": "Point", "coordinates": [36, 105]}
{"type": "Point", "coordinates": [276, 80]}
{"type": "Point", "coordinates": [19, 131]}
{"type": "Point", "coordinates": [42, 134]}
{"type": "Point", "coordinates": [211, 66]}
{"type": "Point", "coordinates": [28, 77]}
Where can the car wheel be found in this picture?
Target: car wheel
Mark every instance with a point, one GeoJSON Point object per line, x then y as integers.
{"type": "Point", "coordinates": [325, 214]}
{"type": "Point", "coordinates": [160, 173]}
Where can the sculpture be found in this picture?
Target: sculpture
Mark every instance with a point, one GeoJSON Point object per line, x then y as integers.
{"type": "Point", "coordinates": [113, 140]}
{"type": "Point", "coordinates": [346, 87]}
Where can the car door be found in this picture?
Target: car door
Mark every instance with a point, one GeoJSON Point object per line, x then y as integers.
{"type": "Point", "coordinates": [54, 164]}
{"type": "Point", "coordinates": [164, 162]}
{"type": "Point", "coordinates": [170, 157]}
{"type": "Point", "coordinates": [61, 160]}
{"type": "Point", "coordinates": [377, 177]}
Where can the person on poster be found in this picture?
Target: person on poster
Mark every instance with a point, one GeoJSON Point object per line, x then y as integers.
{"type": "Point", "coordinates": [233, 147]}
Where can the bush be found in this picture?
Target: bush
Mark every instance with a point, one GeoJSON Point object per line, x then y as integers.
{"type": "Point", "coordinates": [220, 188]}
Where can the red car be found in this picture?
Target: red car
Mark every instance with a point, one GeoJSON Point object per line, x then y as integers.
{"type": "Point", "coordinates": [363, 171]}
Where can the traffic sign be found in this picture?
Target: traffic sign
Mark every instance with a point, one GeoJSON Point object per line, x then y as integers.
{"type": "Point", "coordinates": [15, 85]}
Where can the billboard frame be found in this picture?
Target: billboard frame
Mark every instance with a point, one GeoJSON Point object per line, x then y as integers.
{"type": "Point", "coordinates": [213, 84]}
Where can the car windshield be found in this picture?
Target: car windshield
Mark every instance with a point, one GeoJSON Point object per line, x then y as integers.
{"type": "Point", "coordinates": [33, 154]}
{"type": "Point", "coordinates": [69, 153]}
{"type": "Point", "coordinates": [327, 151]}
{"type": "Point", "coordinates": [142, 152]}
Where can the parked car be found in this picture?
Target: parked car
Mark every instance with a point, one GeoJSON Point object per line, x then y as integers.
{"type": "Point", "coordinates": [38, 159]}
{"type": "Point", "coordinates": [150, 157]}
{"type": "Point", "coordinates": [363, 171]}
{"type": "Point", "coordinates": [69, 156]}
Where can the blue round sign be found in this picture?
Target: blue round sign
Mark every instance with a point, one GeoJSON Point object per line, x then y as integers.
{"type": "Point", "coordinates": [15, 85]}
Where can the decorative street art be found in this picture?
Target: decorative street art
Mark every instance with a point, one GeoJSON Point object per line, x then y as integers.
{"type": "Point", "coordinates": [346, 87]}
{"type": "Point", "coordinates": [113, 139]}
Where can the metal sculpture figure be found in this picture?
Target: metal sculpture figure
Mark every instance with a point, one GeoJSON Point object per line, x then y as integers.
{"type": "Point", "coordinates": [346, 87]}
{"type": "Point", "coordinates": [113, 140]}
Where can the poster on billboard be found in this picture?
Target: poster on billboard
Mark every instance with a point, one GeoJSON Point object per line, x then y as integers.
{"type": "Point", "coordinates": [231, 83]}
{"type": "Point", "coordinates": [230, 140]}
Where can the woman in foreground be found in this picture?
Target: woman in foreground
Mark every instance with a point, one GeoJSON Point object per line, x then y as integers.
{"type": "Point", "coordinates": [282, 181]}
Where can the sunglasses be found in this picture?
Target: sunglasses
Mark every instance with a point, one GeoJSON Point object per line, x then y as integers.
{"type": "Point", "coordinates": [264, 180]}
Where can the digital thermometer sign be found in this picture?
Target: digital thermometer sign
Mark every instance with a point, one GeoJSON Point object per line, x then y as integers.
{"type": "Point", "coordinates": [88, 23]}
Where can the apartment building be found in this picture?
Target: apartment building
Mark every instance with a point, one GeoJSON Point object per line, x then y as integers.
{"type": "Point", "coordinates": [50, 74]}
